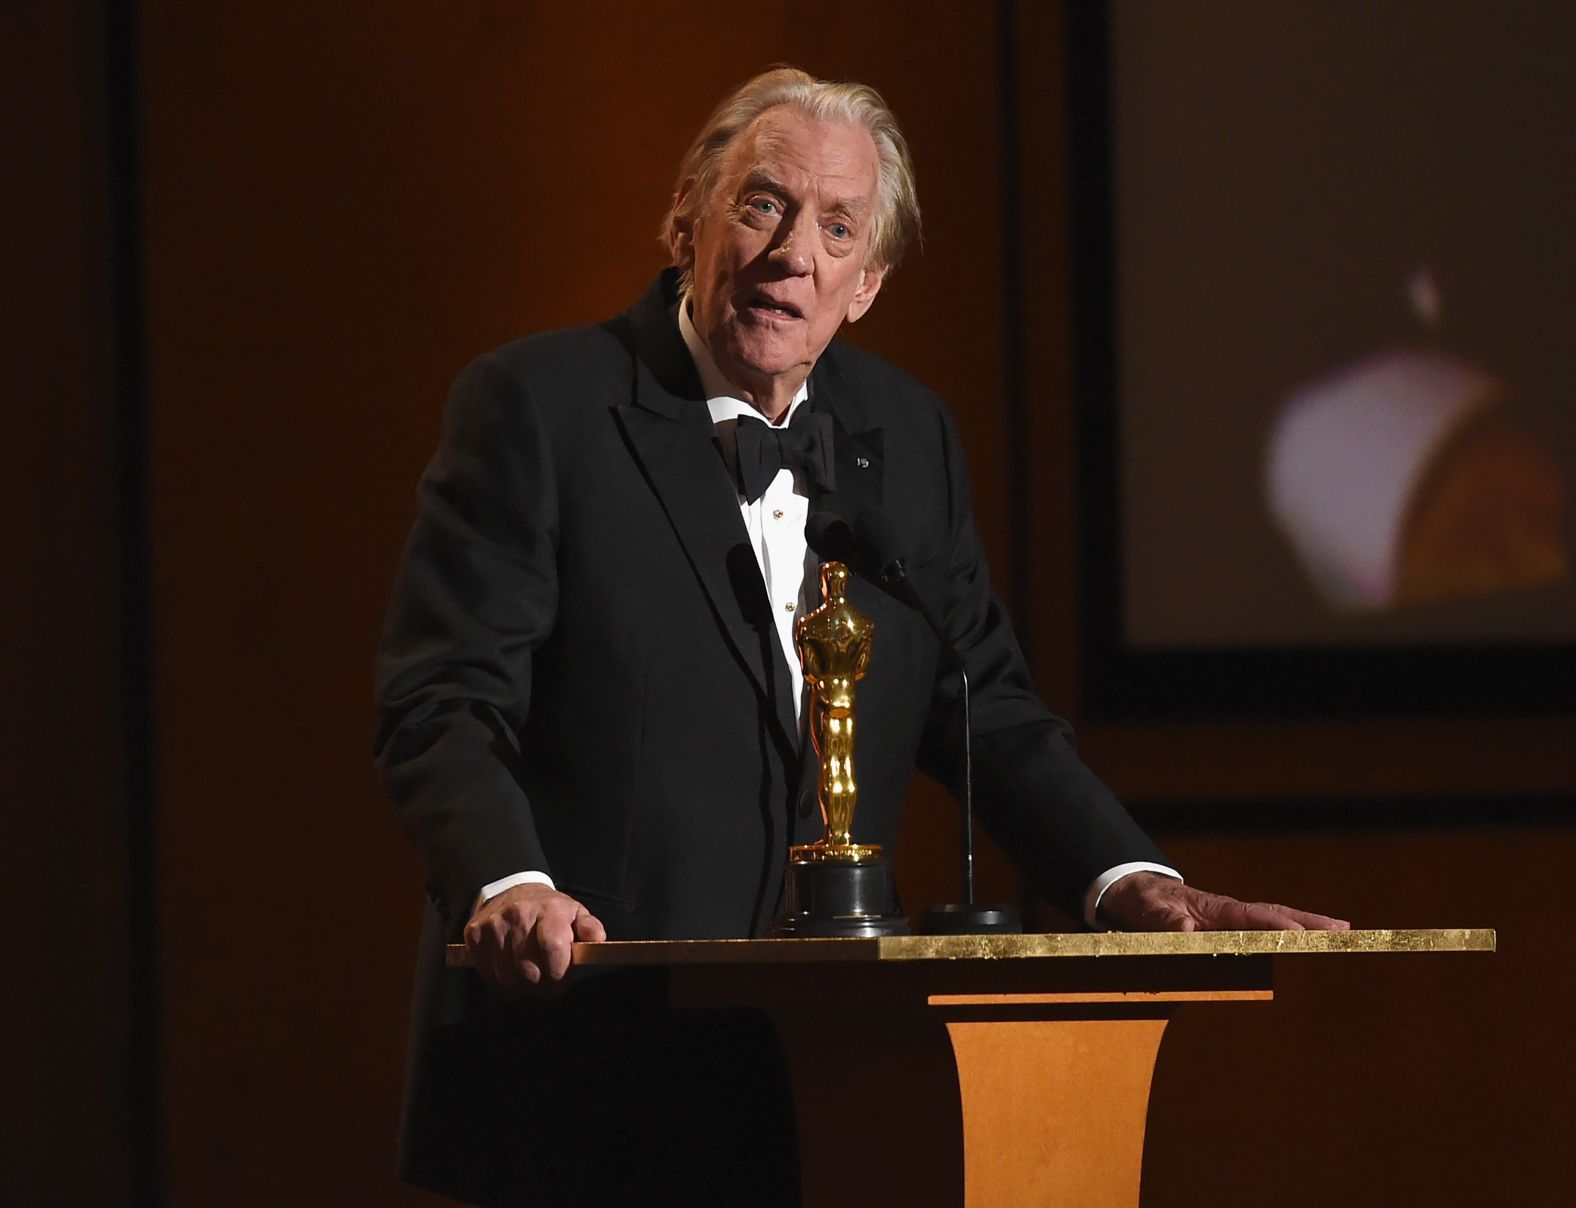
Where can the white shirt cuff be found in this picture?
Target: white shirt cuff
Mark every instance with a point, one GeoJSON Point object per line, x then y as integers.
{"type": "Point", "coordinates": [493, 888]}
{"type": "Point", "coordinates": [1109, 878]}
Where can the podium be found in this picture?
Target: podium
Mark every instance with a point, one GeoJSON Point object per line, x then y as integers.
{"type": "Point", "coordinates": [982, 1071]}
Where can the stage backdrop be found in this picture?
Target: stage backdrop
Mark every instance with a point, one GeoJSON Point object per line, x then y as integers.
{"type": "Point", "coordinates": [340, 205]}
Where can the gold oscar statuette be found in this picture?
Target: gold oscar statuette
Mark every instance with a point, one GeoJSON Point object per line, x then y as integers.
{"type": "Point", "coordinates": [834, 650]}
{"type": "Point", "coordinates": [836, 886]}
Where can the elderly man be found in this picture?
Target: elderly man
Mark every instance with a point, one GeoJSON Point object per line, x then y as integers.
{"type": "Point", "coordinates": [591, 705]}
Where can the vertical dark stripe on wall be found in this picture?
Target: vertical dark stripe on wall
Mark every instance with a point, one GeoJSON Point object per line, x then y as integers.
{"type": "Point", "coordinates": [1014, 380]}
{"type": "Point", "coordinates": [1093, 349]}
{"type": "Point", "coordinates": [126, 289]}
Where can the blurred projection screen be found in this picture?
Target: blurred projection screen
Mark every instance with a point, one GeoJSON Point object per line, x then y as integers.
{"type": "Point", "coordinates": [1330, 266]}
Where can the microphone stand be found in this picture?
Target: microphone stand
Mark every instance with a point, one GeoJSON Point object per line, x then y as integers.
{"type": "Point", "coordinates": [879, 536]}
{"type": "Point", "coordinates": [966, 918]}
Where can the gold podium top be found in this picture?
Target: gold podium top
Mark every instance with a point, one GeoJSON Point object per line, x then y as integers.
{"type": "Point", "coordinates": [631, 953]}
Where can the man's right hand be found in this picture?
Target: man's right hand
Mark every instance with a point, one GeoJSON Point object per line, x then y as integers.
{"type": "Point", "coordinates": [522, 936]}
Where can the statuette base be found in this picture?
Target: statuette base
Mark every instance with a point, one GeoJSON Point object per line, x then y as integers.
{"type": "Point", "coordinates": [829, 897]}
{"type": "Point", "coordinates": [824, 851]}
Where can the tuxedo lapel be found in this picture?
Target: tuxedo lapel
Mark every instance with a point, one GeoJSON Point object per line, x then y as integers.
{"type": "Point", "coordinates": [670, 434]}
{"type": "Point", "coordinates": [858, 444]}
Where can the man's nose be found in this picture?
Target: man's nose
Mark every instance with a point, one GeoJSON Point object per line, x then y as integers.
{"type": "Point", "coordinates": [795, 250]}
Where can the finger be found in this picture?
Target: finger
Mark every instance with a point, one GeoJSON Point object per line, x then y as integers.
{"type": "Point", "coordinates": [483, 944]}
{"type": "Point", "coordinates": [506, 972]}
{"type": "Point", "coordinates": [495, 962]}
{"type": "Point", "coordinates": [1315, 922]}
{"type": "Point", "coordinates": [1164, 918]}
{"type": "Point", "coordinates": [525, 968]}
{"type": "Point", "coordinates": [1262, 916]}
{"type": "Point", "coordinates": [1215, 912]}
{"type": "Point", "coordinates": [480, 934]}
{"type": "Point", "coordinates": [520, 917]}
{"type": "Point", "coordinates": [522, 958]}
{"type": "Point", "coordinates": [588, 927]}
{"type": "Point", "coordinates": [554, 935]}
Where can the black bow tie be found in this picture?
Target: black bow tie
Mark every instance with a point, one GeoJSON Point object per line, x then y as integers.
{"type": "Point", "coordinates": [805, 444]}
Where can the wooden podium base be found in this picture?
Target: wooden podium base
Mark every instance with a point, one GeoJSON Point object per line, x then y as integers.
{"type": "Point", "coordinates": [990, 1071]}
{"type": "Point", "coordinates": [970, 1083]}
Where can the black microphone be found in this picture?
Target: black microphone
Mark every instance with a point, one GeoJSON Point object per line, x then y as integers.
{"type": "Point", "coordinates": [876, 536]}
{"type": "Point", "coordinates": [829, 536]}
{"type": "Point", "coordinates": [879, 534]}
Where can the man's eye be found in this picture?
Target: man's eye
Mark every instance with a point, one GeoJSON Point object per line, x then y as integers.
{"type": "Point", "coordinates": [762, 205]}
{"type": "Point", "coordinates": [839, 230]}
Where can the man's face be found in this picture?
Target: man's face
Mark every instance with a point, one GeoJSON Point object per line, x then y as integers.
{"type": "Point", "coordinates": [779, 251]}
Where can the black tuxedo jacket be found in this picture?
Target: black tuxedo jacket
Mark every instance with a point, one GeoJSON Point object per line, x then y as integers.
{"type": "Point", "coordinates": [580, 672]}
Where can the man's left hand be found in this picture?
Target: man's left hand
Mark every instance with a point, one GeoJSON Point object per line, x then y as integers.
{"type": "Point", "coordinates": [1148, 901]}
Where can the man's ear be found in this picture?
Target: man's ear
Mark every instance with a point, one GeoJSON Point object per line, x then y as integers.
{"type": "Point", "coordinates": [681, 231]}
{"type": "Point", "coordinates": [869, 286]}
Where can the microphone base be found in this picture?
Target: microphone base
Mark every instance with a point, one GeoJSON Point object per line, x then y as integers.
{"type": "Point", "coordinates": [960, 919]}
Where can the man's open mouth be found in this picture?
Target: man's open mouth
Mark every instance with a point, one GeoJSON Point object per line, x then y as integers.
{"type": "Point", "coordinates": [769, 306]}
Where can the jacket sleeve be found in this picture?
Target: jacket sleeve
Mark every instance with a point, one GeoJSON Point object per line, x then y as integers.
{"type": "Point", "coordinates": [476, 595]}
{"type": "Point", "coordinates": [1055, 817]}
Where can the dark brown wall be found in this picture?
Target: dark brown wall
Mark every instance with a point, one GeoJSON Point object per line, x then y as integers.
{"type": "Point", "coordinates": [68, 1054]}
{"type": "Point", "coordinates": [345, 203]}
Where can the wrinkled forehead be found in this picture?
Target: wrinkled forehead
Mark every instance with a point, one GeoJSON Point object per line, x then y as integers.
{"type": "Point", "coordinates": [787, 146]}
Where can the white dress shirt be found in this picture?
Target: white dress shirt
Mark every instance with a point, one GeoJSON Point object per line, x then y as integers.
{"type": "Point", "coordinates": [775, 523]}
{"type": "Point", "coordinates": [776, 520]}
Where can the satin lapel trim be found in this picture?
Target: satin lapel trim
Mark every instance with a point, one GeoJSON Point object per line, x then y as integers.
{"type": "Point", "coordinates": [673, 441]}
{"type": "Point", "coordinates": [859, 446]}
{"type": "Point", "coordinates": [861, 472]}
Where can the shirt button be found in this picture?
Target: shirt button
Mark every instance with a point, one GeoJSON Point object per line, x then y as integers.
{"type": "Point", "coordinates": [777, 513]}
{"type": "Point", "coordinates": [788, 607]}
